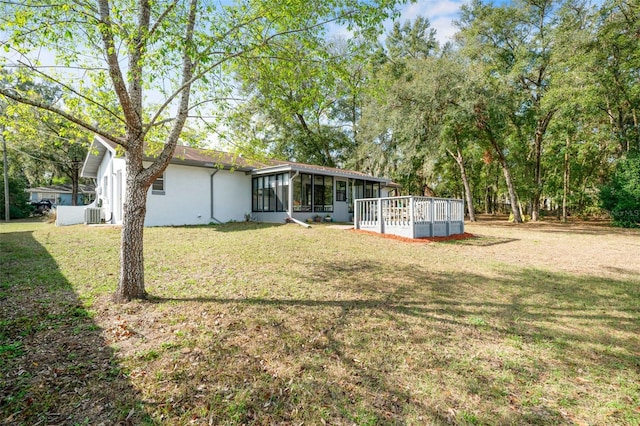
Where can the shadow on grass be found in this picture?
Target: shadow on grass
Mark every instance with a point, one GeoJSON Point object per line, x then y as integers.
{"type": "Point", "coordinates": [237, 226]}
{"type": "Point", "coordinates": [55, 367]}
{"type": "Point", "coordinates": [558, 324]}
{"type": "Point", "coordinates": [481, 241]}
{"type": "Point", "coordinates": [594, 227]}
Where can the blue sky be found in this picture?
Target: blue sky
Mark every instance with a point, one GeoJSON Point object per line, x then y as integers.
{"type": "Point", "coordinates": [441, 14]}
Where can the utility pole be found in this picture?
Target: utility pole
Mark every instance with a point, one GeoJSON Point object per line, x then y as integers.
{"type": "Point", "coordinates": [6, 175]}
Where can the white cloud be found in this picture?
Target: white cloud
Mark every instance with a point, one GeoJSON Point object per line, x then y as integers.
{"type": "Point", "coordinates": [441, 14]}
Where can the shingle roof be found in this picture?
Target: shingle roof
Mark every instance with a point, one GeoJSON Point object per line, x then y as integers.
{"type": "Point", "coordinates": [213, 158]}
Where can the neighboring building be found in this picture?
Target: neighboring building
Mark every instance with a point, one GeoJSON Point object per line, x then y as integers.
{"type": "Point", "coordinates": [61, 195]}
{"type": "Point", "coordinates": [203, 186]}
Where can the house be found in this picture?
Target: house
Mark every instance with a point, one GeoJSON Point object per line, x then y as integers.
{"type": "Point", "coordinates": [61, 195]}
{"type": "Point", "coordinates": [203, 186]}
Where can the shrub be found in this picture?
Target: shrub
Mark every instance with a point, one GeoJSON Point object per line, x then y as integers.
{"type": "Point", "coordinates": [621, 196]}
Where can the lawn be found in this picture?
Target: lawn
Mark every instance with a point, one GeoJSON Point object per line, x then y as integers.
{"type": "Point", "coordinates": [263, 324]}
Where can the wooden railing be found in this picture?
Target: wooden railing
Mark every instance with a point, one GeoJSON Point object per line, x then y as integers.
{"type": "Point", "coordinates": [411, 217]}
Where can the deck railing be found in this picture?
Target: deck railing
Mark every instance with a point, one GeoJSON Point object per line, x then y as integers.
{"type": "Point", "coordinates": [410, 216]}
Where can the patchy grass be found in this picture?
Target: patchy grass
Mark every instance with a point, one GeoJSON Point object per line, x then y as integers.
{"type": "Point", "coordinates": [263, 324]}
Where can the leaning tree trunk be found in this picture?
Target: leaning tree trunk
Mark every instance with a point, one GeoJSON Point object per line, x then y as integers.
{"type": "Point", "coordinates": [131, 284]}
{"type": "Point", "coordinates": [513, 198]}
{"type": "Point", "coordinates": [465, 181]}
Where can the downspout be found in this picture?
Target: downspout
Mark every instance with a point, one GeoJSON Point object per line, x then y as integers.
{"type": "Point", "coordinates": [213, 217]}
{"type": "Point", "coordinates": [290, 194]}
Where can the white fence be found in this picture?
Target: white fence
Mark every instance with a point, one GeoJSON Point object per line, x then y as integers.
{"type": "Point", "coordinates": [411, 217]}
{"type": "Point", "coordinates": [74, 215]}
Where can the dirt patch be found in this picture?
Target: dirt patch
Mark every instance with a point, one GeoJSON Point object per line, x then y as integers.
{"type": "Point", "coordinates": [456, 237]}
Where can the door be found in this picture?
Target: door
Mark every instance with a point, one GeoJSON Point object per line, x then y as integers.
{"type": "Point", "coordinates": [341, 205]}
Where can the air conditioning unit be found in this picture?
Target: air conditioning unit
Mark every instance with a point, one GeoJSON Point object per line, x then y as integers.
{"type": "Point", "coordinates": [92, 215]}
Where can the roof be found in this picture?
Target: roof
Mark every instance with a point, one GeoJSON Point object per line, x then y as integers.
{"type": "Point", "coordinates": [184, 155]}
{"type": "Point", "coordinates": [63, 189]}
{"type": "Point", "coordinates": [189, 156]}
{"type": "Point", "coordinates": [285, 166]}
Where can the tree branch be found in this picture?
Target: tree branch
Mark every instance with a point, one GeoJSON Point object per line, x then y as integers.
{"type": "Point", "coordinates": [42, 105]}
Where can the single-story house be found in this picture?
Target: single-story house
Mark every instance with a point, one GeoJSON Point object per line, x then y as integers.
{"type": "Point", "coordinates": [202, 186]}
{"type": "Point", "coordinates": [61, 195]}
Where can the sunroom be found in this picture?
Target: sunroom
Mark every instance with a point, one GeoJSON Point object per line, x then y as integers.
{"type": "Point", "coordinates": [304, 192]}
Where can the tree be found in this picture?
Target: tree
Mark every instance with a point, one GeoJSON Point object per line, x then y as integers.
{"type": "Point", "coordinates": [513, 44]}
{"type": "Point", "coordinates": [621, 196]}
{"type": "Point", "coordinates": [136, 70]}
{"type": "Point", "coordinates": [48, 145]}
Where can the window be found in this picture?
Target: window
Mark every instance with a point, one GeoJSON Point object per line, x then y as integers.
{"type": "Point", "coordinates": [363, 189]}
{"type": "Point", "coordinates": [322, 193]}
{"type": "Point", "coordinates": [341, 190]}
{"type": "Point", "coordinates": [158, 186]}
{"type": "Point", "coordinates": [270, 193]}
{"type": "Point", "coordinates": [302, 191]}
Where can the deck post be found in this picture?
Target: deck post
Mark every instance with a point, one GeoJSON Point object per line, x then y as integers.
{"type": "Point", "coordinates": [380, 218]}
{"type": "Point", "coordinates": [432, 207]}
{"type": "Point", "coordinates": [448, 217]}
{"type": "Point", "coordinates": [356, 214]}
{"type": "Point", "coordinates": [412, 219]}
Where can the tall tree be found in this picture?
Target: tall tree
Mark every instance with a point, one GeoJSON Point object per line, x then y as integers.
{"type": "Point", "coordinates": [136, 69]}
{"type": "Point", "coordinates": [513, 45]}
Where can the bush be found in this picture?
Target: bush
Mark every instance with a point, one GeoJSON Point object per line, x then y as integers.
{"type": "Point", "coordinates": [621, 197]}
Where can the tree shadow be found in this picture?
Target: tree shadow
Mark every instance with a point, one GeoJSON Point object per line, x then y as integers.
{"type": "Point", "coordinates": [596, 227]}
{"type": "Point", "coordinates": [55, 366]}
{"type": "Point", "coordinates": [578, 321]}
{"type": "Point", "coordinates": [236, 226]}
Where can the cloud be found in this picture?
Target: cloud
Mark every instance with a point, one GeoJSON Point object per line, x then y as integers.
{"type": "Point", "coordinates": [441, 14]}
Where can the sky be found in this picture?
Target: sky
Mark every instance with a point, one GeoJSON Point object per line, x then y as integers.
{"type": "Point", "coordinates": [441, 14]}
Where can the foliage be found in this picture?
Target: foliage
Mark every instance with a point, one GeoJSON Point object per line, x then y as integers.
{"type": "Point", "coordinates": [621, 196]}
{"type": "Point", "coordinates": [18, 198]}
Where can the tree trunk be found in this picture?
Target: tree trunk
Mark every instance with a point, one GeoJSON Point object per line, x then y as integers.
{"type": "Point", "coordinates": [465, 181]}
{"type": "Point", "coordinates": [565, 180]}
{"type": "Point", "coordinates": [537, 178]}
{"type": "Point", "coordinates": [131, 284]}
{"type": "Point", "coordinates": [541, 129]}
{"type": "Point", "coordinates": [74, 182]}
{"type": "Point", "coordinates": [513, 198]}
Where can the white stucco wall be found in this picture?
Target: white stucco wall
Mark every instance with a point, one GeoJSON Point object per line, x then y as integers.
{"type": "Point", "coordinates": [187, 197]}
{"type": "Point", "coordinates": [110, 189]}
{"type": "Point", "coordinates": [232, 195]}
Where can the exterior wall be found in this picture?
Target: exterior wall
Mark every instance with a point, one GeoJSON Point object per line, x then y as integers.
{"type": "Point", "coordinates": [187, 197]}
{"type": "Point", "coordinates": [272, 217]}
{"type": "Point", "coordinates": [110, 188]}
{"type": "Point", "coordinates": [231, 195]}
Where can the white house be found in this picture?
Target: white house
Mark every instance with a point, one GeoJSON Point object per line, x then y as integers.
{"type": "Point", "coordinates": [203, 186]}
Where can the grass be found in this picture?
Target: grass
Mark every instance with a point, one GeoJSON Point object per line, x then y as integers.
{"type": "Point", "coordinates": [263, 324]}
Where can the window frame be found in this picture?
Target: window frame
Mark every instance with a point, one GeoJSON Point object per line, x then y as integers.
{"type": "Point", "coordinates": [162, 179]}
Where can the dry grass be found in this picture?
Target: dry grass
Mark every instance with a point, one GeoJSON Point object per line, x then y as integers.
{"type": "Point", "coordinates": [259, 324]}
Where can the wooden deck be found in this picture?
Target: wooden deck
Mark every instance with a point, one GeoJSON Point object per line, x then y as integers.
{"type": "Point", "coordinates": [410, 217]}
